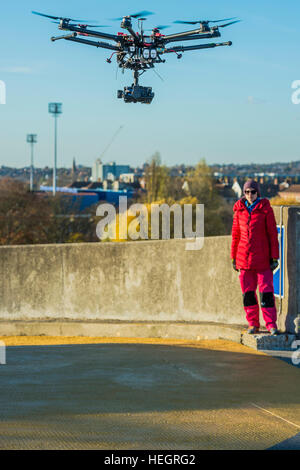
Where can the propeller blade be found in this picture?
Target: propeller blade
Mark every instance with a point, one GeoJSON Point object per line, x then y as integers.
{"type": "Point", "coordinates": [56, 17]}
{"type": "Point", "coordinates": [203, 21]}
{"type": "Point", "coordinates": [135, 15]}
{"type": "Point", "coordinates": [93, 25]}
{"type": "Point", "coordinates": [85, 25]}
{"type": "Point", "coordinates": [160, 27]}
{"type": "Point", "coordinates": [186, 22]}
{"type": "Point", "coordinates": [218, 21]}
{"type": "Point", "coordinates": [141, 14]}
{"type": "Point", "coordinates": [46, 16]}
{"type": "Point", "coordinates": [228, 24]}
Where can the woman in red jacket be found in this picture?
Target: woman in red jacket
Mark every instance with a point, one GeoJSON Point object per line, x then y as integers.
{"type": "Point", "coordinates": [254, 252]}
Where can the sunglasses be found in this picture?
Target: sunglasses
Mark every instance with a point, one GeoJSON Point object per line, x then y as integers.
{"type": "Point", "coordinates": [250, 191]}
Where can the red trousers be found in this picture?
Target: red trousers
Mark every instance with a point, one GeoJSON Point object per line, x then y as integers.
{"type": "Point", "coordinates": [264, 279]}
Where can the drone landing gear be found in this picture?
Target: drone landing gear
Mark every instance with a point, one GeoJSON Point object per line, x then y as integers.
{"type": "Point", "coordinates": [136, 93]}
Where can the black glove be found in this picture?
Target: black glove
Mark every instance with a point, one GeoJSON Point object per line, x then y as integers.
{"type": "Point", "coordinates": [273, 264]}
{"type": "Point", "coordinates": [234, 265]}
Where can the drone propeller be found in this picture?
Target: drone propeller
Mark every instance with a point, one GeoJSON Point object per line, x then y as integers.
{"type": "Point", "coordinates": [228, 24]}
{"type": "Point", "coordinates": [203, 21]}
{"type": "Point", "coordinates": [85, 25]}
{"type": "Point", "coordinates": [160, 27]}
{"type": "Point", "coordinates": [141, 14]}
{"type": "Point", "coordinates": [56, 17]}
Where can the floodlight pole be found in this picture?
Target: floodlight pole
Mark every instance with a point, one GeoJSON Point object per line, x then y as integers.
{"type": "Point", "coordinates": [31, 139]}
{"type": "Point", "coordinates": [55, 109]}
{"type": "Point", "coordinates": [55, 154]}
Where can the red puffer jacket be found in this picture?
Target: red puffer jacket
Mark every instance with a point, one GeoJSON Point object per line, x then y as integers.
{"type": "Point", "coordinates": [254, 236]}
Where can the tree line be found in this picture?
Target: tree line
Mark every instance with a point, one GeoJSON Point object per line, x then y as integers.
{"type": "Point", "coordinates": [34, 218]}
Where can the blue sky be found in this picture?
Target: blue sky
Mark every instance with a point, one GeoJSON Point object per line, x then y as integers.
{"type": "Point", "coordinates": [229, 104]}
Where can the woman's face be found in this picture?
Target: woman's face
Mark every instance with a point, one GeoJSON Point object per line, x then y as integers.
{"type": "Point", "coordinates": [251, 195]}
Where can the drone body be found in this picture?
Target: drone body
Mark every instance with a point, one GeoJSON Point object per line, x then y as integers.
{"type": "Point", "coordinates": [138, 51]}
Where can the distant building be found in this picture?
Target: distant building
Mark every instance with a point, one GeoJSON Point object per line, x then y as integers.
{"type": "Point", "coordinates": [237, 189]}
{"type": "Point", "coordinates": [75, 201]}
{"type": "Point", "coordinates": [142, 182]}
{"type": "Point", "coordinates": [226, 191]}
{"type": "Point", "coordinates": [110, 176]}
{"type": "Point", "coordinates": [74, 168]}
{"type": "Point", "coordinates": [185, 187]}
{"type": "Point", "coordinates": [97, 171]}
{"type": "Point", "coordinates": [292, 192]}
{"type": "Point", "coordinates": [77, 184]}
{"type": "Point", "coordinates": [110, 171]}
{"type": "Point", "coordinates": [269, 190]}
{"type": "Point", "coordinates": [82, 198]}
{"type": "Point", "coordinates": [128, 177]}
{"type": "Point", "coordinates": [115, 170]}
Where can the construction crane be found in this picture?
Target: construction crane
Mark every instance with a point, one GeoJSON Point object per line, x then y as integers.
{"type": "Point", "coordinates": [111, 142]}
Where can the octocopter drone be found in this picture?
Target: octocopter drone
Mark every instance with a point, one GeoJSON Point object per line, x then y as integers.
{"type": "Point", "coordinates": [138, 50]}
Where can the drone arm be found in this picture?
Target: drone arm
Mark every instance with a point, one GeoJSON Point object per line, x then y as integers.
{"type": "Point", "coordinates": [96, 34]}
{"type": "Point", "coordinates": [103, 45]}
{"type": "Point", "coordinates": [68, 36]}
{"type": "Point", "coordinates": [193, 37]}
{"type": "Point", "coordinates": [170, 37]}
{"type": "Point", "coordinates": [200, 46]}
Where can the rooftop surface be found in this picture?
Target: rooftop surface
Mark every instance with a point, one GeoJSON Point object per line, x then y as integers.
{"type": "Point", "coordinates": [120, 394]}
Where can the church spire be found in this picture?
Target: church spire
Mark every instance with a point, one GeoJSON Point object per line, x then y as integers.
{"type": "Point", "coordinates": [74, 169]}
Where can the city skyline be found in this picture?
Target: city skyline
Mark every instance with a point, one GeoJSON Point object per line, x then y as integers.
{"type": "Point", "coordinates": [228, 105]}
{"type": "Point", "coordinates": [278, 167]}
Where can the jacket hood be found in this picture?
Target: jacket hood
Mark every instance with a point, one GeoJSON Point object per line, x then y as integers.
{"type": "Point", "coordinates": [240, 204]}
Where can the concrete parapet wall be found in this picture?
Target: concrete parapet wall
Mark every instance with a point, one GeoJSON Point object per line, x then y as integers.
{"type": "Point", "coordinates": [133, 281]}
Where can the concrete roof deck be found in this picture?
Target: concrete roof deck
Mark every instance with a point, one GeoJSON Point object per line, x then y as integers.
{"type": "Point", "coordinates": [96, 393]}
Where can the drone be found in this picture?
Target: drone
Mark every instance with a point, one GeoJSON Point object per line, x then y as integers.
{"type": "Point", "coordinates": [140, 51]}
